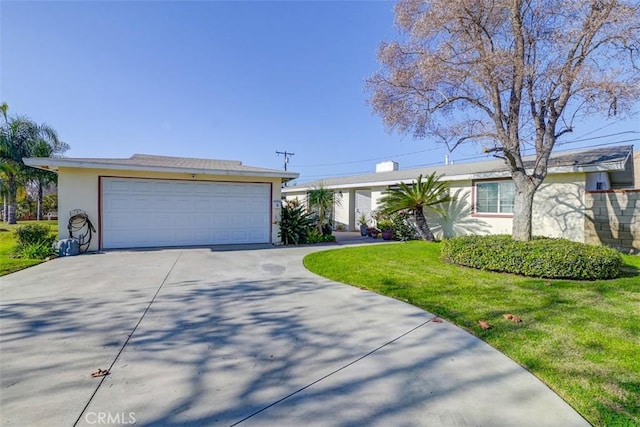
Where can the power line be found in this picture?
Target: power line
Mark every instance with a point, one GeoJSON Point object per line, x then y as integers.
{"type": "Point", "coordinates": [595, 137]}
{"type": "Point", "coordinates": [484, 156]}
{"type": "Point", "coordinates": [438, 148]}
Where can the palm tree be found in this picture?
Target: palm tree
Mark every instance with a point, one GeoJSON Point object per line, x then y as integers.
{"type": "Point", "coordinates": [3, 109]}
{"type": "Point", "coordinates": [41, 178]}
{"type": "Point", "coordinates": [19, 137]}
{"type": "Point", "coordinates": [322, 201]}
{"type": "Point", "coordinates": [427, 194]}
{"type": "Point", "coordinates": [5, 168]}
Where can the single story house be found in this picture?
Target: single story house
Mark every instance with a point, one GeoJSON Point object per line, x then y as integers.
{"type": "Point", "coordinates": [160, 201]}
{"type": "Point", "coordinates": [588, 196]}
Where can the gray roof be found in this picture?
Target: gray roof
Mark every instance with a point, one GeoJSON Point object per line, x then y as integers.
{"type": "Point", "coordinates": [149, 162]}
{"type": "Point", "coordinates": [586, 160]}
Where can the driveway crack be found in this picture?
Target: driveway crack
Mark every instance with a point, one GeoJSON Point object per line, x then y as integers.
{"type": "Point", "coordinates": [146, 310]}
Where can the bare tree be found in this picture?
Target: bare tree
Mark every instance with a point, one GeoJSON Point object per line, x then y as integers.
{"type": "Point", "coordinates": [507, 74]}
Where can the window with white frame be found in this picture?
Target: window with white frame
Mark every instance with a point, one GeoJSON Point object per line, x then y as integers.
{"type": "Point", "coordinates": [494, 197]}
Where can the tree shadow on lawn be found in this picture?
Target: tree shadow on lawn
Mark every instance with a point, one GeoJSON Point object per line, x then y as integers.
{"type": "Point", "coordinates": [628, 270]}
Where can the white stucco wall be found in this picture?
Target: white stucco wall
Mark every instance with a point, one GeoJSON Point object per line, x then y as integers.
{"type": "Point", "coordinates": [300, 196]}
{"type": "Point", "coordinates": [79, 189]}
{"type": "Point", "coordinates": [557, 211]}
{"type": "Point", "coordinates": [558, 207]}
{"type": "Point", "coordinates": [376, 194]}
{"type": "Point", "coordinates": [475, 223]}
{"type": "Point", "coordinates": [598, 177]}
{"type": "Point", "coordinates": [342, 208]}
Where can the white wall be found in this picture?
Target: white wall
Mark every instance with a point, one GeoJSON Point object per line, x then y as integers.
{"type": "Point", "coordinates": [479, 223]}
{"type": "Point", "coordinates": [558, 207]}
{"type": "Point", "coordinates": [598, 177]}
{"type": "Point", "coordinates": [376, 194]}
{"type": "Point", "coordinates": [77, 190]}
{"type": "Point", "coordinates": [342, 208]}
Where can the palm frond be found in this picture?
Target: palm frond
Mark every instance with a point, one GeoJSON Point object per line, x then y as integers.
{"type": "Point", "coordinates": [426, 193]}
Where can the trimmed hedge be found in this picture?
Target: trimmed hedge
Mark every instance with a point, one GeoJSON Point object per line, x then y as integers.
{"type": "Point", "coordinates": [540, 257]}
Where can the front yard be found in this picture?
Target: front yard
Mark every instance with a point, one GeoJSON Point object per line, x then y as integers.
{"type": "Point", "coordinates": [580, 338]}
{"type": "Point", "coordinates": [8, 264]}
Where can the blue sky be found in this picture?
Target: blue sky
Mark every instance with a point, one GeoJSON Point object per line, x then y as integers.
{"type": "Point", "coordinates": [231, 80]}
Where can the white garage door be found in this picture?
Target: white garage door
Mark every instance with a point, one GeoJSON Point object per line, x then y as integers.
{"type": "Point", "coordinates": [149, 213]}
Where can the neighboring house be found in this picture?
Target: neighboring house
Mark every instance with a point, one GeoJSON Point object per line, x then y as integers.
{"type": "Point", "coordinates": [156, 201]}
{"type": "Point", "coordinates": [565, 205]}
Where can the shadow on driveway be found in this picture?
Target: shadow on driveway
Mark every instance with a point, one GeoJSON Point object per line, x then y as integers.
{"type": "Point", "coordinates": [279, 347]}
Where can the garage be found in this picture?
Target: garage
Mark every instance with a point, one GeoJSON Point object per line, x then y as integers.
{"type": "Point", "coordinates": [139, 213]}
{"type": "Point", "coordinates": [149, 201]}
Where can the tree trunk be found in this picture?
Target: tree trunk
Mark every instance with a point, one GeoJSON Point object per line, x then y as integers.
{"type": "Point", "coordinates": [421, 225]}
{"type": "Point", "coordinates": [321, 215]}
{"type": "Point", "coordinates": [13, 189]}
{"type": "Point", "coordinates": [39, 207]}
{"type": "Point", "coordinates": [525, 188]}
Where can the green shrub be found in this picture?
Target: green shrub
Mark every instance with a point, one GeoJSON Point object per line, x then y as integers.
{"type": "Point", "coordinates": [540, 257]}
{"type": "Point", "coordinates": [315, 237]}
{"type": "Point", "coordinates": [385, 224]}
{"type": "Point", "coordinates": [33, 233]}
{"type": "Point", "coordinates": [36, 250]}
{"type": "Point", "coordinates": [34, 241]}
{"type": "Point", "coordinates": [295, 224]}
{"type": "Point", "coordinates": [403, 228]}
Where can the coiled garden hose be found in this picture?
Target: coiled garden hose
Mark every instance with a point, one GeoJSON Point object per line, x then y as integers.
{"type": "Point", "coordinates": [81, 229]}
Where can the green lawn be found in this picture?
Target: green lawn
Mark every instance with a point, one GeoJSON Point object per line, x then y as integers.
{"type": "Point", "coordinates": [8, 264]}
{"type": "Point", "coordinates": [580, 338]}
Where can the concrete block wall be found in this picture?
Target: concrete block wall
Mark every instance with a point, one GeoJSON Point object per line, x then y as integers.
{"type": "Point", "coordinates": [612, 218]}
{"type": "Point", "coordinates": [636, 168]}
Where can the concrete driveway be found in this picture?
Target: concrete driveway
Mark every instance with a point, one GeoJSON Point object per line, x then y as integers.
{"type": "Point", "coordinates": [202, 337]}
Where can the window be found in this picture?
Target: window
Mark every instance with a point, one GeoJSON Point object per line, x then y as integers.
{"type": "Point", "coordinates": [494, 197]}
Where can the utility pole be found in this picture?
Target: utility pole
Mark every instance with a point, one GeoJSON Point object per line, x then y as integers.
{"type": "Point", "coordinates": [286, 157]}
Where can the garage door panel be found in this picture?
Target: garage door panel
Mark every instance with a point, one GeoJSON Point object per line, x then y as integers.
{"type": "Point", "coordinates": [202, 204]}
{"type": "Point", "coordinates": [122, 238]}
{"type": "Point", "coordinates": [199, 188]}
{"type": "Point", "coordinates": [148, 213]}
{"type": "Point", "coordinates": [163, 187]}
{"type": "Point", "coordinates": [256, 205]}
{"type": "Point", "coordinates": [202, 222]}
{"type": "Point", "coordinates": [139, 204]}
{"type": "Point", "coordinates": [238, 221]}
{"type": "Point", "coordinates": [119, 220]}
{"type": "Point", "coordinates": [119, 186]}
{"type": "Point", "coordinates": [183, 204]}
{"type": "Point", "coordinates": [139, 186]}
{"type": "Point", "coordinates": [164, 220]}
{"type": "Point", "coordinates": [222, 236]}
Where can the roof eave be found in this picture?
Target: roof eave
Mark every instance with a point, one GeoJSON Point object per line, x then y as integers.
{"type": "Point", "coordinates": [460, 177]}
{"type": "Point", "coordinates": [602, 167]}
{"type": "Point", "coordinates": [54, 166]}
